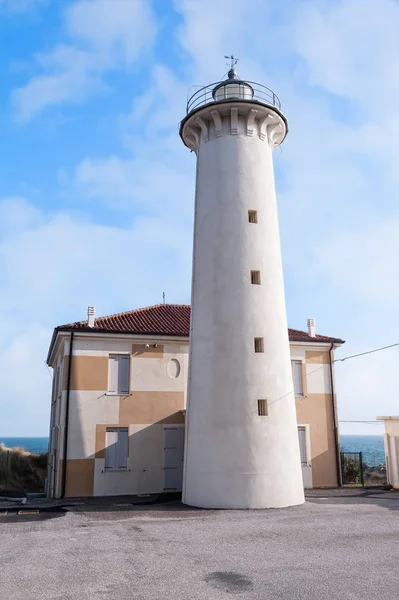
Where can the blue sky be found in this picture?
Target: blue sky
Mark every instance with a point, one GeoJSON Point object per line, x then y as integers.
{"type": "Point", "coordinates": [96, 188]}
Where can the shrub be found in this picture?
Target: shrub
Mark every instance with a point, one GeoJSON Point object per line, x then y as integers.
{"type": "Point", "coordinates": [21, 470]}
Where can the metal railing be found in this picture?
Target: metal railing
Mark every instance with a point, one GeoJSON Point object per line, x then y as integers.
{"type": "Point", "coordinates": [204, 95]}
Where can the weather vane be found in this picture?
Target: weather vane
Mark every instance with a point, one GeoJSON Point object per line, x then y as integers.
{"type": "Point", "coordinates": [233, 60]}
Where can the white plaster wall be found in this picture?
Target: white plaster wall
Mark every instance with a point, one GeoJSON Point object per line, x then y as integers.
{"type": "Point", "coordinates": [86, 410]}
{"type": "Point", "coordinates": [392, 445]}
{"type": "Point", "coordinates": [318, 379]}
{"type": "Point", "coordinates": [151, 374]}
{"type": "Point", "coordinates": [233, 457]}
{"type": "Point", "coordinates": [392, 426]}
{"type": "Point", "coordinates": [297, 353]}
{"type": "Point", "coordinates": [101, 346]}
{"type": "Point", "coordinates": [145, 474]}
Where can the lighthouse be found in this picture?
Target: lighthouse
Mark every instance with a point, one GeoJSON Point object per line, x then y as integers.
{"type": "Point", "coordinates": [241, 447]}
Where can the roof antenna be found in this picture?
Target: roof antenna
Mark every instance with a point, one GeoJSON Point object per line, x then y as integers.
{"type": "Point", "coordinates": [164, 297]}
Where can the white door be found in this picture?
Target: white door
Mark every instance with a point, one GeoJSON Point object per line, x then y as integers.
{"type": "Point", "coordinates": [304, 448]}
{"type": "Point", "coordinates": [173, 457]}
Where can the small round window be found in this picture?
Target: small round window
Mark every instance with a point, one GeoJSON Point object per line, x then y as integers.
{"type": "Point", "coordinates": [174, 368]}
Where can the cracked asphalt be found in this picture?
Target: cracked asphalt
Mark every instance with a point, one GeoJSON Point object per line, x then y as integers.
{"type": "Point", "coordinates": [332, 547]}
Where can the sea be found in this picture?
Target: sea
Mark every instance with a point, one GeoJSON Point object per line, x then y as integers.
{"type": "Point", "coordinates": [30, 444]}
{"type": "Point", "coordinates": [372, 446]}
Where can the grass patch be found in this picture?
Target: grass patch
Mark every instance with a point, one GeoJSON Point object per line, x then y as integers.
{"type": "Point", "coordinates": [21, 471]}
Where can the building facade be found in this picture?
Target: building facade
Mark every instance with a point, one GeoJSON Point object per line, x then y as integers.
{"type": "Point", "coordinates": [119, 399]}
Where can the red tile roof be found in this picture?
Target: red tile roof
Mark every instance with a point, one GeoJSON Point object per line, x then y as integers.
{"type": "Point", "coordinates": [165, 319]}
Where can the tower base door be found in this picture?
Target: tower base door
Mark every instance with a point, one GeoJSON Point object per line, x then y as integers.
{"type": "Point", "coordinates": [173, 457]}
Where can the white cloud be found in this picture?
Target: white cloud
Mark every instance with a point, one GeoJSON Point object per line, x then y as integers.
{"type": "Point", "coordinates": [26, 385]}
{"type": "Point", "coordinates": [101, 38]}
{"type": "Point", "coordinates": [118, 32]}
{"type": "Point", "coordinates": [349, 47]}
{"type": "Point", "coordinates": [52, 267]}
{"type": "Point", "coordinates": [154, 187]}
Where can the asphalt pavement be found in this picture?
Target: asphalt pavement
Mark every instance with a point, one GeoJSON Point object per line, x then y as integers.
{"type": "Point", "coordinates": [334, 546]}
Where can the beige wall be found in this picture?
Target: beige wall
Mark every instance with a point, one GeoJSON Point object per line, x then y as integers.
{"type": "Point", "coordinates": [79, 478]}
{"type": "Point", "coordinates": [316, 410]}
{"type": "Point", "coordinates": [152, 407]}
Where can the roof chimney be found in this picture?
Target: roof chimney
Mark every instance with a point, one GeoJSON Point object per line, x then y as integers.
{"type": "Point", "coordinates": [312, 327]}
{"type": "Point", "coordinates": [91, 316]}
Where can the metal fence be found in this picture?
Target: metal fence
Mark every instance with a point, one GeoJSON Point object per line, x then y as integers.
{"type": "Point", "coordinates": [357, 472]}
{"type": "Point", "coordinates": [261, 93]}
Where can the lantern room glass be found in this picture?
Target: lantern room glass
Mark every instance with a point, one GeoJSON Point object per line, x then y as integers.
{"type": "Point", "coordinates": [236, 90]}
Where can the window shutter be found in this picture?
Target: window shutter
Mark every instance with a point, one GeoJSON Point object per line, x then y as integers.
{"type": "Point", "coordinates": [302, 444]}
{"type": "Point", "coordinates": [113, 373]}
{"type": "Point", "coordinates": [116, 442]}
{"type": "Point", "coordinates": [122, 449]}
{"type": "Point", "coordinates": [119, 373]}
{"type": "Point", "coordinates": [111, 441]}
{"type": "Point", "coordinates": [123, 375]}
{"type": "Point", "coordinates": [296, 367]}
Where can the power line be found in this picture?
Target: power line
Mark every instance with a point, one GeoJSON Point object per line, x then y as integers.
{"type": "Point", "coordinates": [368, 422]}
{"type": "Point", "coordinates": [368, 352]}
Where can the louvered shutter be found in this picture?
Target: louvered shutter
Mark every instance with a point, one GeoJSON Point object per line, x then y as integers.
{"type": "Point", "coordinates": [122, 449]}
{"type": "Point", "coordinates": [123, 374]}
{"type": "Point", "coordinates": [113, 373]}
{"type": "Point", "coordinates": [296, 367]}
{"type": "Point", "coordinates": [111, 442]}
{"type": "Point", "coordinates": [116, 450]}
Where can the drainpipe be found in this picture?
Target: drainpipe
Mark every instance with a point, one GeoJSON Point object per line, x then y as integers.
{"type": "Point", "coordinates": [334, 412]}
{"type": "Point", "coordinates": [68, 390]}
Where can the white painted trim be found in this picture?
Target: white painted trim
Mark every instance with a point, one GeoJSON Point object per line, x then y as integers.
{"type": "Point", "coordinates": [144, 338]}
{"type": "Point", "coordinates": [315, 345]}
{"type": "Point", "coordinates": [308, 447]}
{"type": "Point", "coordinates": [298, 359]}
{"type": "Point", "coordinates": [161, 340]}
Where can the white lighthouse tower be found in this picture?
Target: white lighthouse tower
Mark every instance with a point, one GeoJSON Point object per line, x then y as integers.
{"type": "Point", "coordinates": [242, 448]}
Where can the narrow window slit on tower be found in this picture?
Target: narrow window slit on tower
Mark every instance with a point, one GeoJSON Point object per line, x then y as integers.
{"type": "Point", "coordinates": [262, 408]}
{"type": "Point", "coordinates": [259, 345]}
{"type": "Point", "coordinates": [255, 277]}
{"type": "Point", "coordinates": [253, 216]}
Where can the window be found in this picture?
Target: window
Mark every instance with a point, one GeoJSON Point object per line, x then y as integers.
{"type": "Point", "coordinates": [296, 367]}
{"type": "Point", "coordinates": [255, 277]}
{"type": "Point", "coordinates": [259, 345]}
{"type": "Point", "coordinates": [253, 216]}
{"type": "Point", "coordinates": [116, 444]}
{"type": "Point", "coordinates": [118, 373]}
{"type": "Point", "coordinates": [302, 444]}
{"type": "Point", "coordinates": [262, 408]}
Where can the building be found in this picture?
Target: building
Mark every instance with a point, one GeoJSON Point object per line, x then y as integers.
{"type": "Point", "coordinates": [119, 399]}
{"type": "Point", "coordinates": [242, 447]}
{"type": "Point", "coordinates": [391, 446]}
